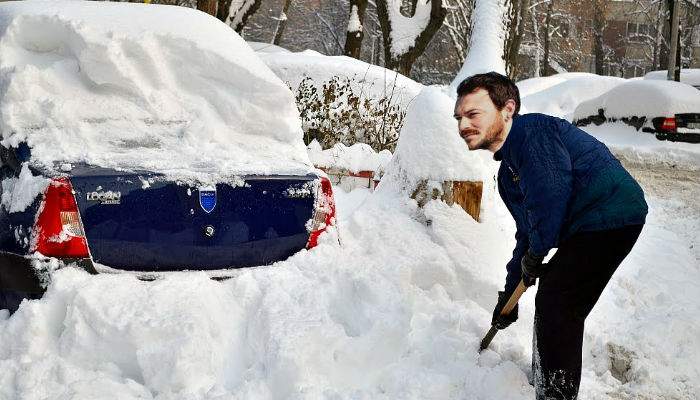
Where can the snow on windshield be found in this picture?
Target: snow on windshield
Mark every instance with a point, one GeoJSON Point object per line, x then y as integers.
{"type": "Point", "coordinates": [135, 86]}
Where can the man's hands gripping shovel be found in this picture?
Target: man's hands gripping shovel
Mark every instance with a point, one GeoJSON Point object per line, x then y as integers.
{"type": "Point", "coordinates": [506, 310]}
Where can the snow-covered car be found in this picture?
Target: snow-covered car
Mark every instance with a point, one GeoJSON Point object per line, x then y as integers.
{"type": "Point", "coordinates": [670, 110]}
{"type": "Point", "coordinates": [144, 138]}
{"type": "Point", "coordinates": [689, 76]}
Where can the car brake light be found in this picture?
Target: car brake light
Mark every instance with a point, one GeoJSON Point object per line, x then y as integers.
{"type": "Point", "coordinates": [59, 229]}
{"type": "Point", "coordinates": [669, 124]}
{"type": "Point", "coordinates": [324, 212]}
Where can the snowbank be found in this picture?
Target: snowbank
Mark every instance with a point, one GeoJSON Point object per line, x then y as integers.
{"type": "Point", "coordinates": [368, 320]}
{"type": "Point", "coordinates": [356, 158]}
{"type": "Point", "coordinates": [559, 95]}
{"type": "Point", "coordinates": [648, 98]}
{"type": "Point", "coordinates": [430, 147]}
{"type": "Point", "coordinates": [137, 86]}
{"type": "Point", "coordinates": [371, 80]}
{"type": "Point", "coordinates": [637, 147]}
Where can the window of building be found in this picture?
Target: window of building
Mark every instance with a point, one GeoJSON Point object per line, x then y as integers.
{"type": "Point", "coordinates": [637, 32]}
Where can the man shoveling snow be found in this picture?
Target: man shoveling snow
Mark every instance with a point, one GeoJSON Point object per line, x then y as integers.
{"type": "Point", "coordinates": [564, 190]}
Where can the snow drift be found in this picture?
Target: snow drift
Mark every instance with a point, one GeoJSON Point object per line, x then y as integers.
{"type": "Point", "coordinates": [136, 86]}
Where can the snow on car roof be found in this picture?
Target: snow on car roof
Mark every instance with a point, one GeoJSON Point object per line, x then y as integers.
{"type": "Point", "coordinates": [559, 95]}
{"type": "Point", "coordinates": [136, 86]}
{"type": "Point", "coordinates": [691, 76]}
{"type": "Point", "coordinates": [648, 98]}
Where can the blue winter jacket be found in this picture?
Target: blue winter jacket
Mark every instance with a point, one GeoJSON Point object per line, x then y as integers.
{"type": "Point", "coordinates": [557, 180]}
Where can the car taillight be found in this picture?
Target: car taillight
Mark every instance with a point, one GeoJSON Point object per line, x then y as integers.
{"type": "Point", "coordinates": [669, 124]}
{"type": "Point", "coordinates": [59, 230]}
{"type": "Point", "coordinates": [324, 212]}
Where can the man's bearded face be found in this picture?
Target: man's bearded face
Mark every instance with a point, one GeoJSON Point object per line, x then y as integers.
{"type": "Point", "coordinates": [479, 121]}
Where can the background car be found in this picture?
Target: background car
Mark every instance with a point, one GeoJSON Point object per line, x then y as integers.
{"type": "Point", "coordinates": [670, 110]}
{"type": "Point", "coordinates": [112, 167]}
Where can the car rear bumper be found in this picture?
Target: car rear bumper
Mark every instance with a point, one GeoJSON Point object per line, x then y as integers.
{"type": "Point", "coordinates": [20, 279]}
{"type": "Point", "coordinates": [17, 273]}
{"type": "Point", "coordinates": [679, 137]}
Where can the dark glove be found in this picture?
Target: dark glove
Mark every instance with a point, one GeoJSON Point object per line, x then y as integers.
{"type": "Point", "coordinates": [502, 321]}
{"type": "Point", "coordinates": [532, 268]}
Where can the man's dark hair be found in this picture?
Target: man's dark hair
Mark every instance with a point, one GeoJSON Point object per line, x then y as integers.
{"type": "Point", "coordinates": [500, 88]}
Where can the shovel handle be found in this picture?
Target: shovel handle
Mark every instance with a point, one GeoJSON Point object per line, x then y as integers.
{"type": "Point", "coordinates": [519, 290]}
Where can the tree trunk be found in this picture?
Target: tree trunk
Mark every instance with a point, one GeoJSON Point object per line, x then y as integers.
{"type": "Point", "coordinates": [236, 13]}
{"type": "Point", "coordinates": [281, 23]}
{"type": "Point", "coordinates": [222, 10]}
{"type": "Point", "coordinates": [598, 28]}
{"type": "Point", "coordinates": [517, 12]}
{"type": "Point", "coordinates": [404, 62]}
{"type": "Point", "coordinates": [547, 30]}
{"type": "Point", "coordinates": [208, 6]}
{"type": "Point", "coordinates": [355, 34]}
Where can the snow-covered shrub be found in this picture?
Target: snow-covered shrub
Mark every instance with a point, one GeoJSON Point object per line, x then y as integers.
{"type": "Point", "coordinates": [340, 111]}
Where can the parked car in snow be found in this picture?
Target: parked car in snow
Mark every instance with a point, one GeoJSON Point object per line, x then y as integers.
{"type": "Point", "coordinates": [112, 167]}
{"type": "Point", "coordinates": [670, 110]}
{"type": "Point", "coordinates": [689, 76]}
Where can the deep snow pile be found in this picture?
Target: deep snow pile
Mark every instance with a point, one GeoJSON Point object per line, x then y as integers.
{"type": "Point", "coordinates": [397, 311]}
{"type": "Point", "coordinates": [130, 86]}
{"type": "Point", "coordinates": [637, 147]}
{"type": "Point", "coordinates": [355, 158]}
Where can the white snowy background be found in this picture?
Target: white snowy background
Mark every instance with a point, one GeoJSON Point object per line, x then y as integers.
{"type": "Point", "coordinates": [387, 306]}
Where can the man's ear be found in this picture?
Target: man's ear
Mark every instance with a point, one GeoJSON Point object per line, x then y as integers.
{"type": "Point", "coordinates": [509, 108]}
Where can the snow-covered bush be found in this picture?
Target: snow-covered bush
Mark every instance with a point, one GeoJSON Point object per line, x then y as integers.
{"type": "Point", "coordinates": [339, 111]}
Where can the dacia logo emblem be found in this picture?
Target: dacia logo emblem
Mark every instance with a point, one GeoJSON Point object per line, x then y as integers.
{"type": "Point", "coordinates": [207, 198]}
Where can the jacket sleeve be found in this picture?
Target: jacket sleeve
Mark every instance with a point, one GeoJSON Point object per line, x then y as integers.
{"type": "Point", "coordinates": [513, 266]}
{"type": "Point", "coordinates": [521, 243]}
{"type": "Point", "coordinates": [546, 183]}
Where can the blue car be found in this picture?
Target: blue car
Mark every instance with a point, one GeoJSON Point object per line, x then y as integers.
{"type": "Point", "coordinates": [144, 139]}
{"type": "Point", "coordinates": [99, 218]}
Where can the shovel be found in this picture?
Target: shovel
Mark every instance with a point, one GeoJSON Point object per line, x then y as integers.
{"type": "Point", "coordinates": [519, 290]}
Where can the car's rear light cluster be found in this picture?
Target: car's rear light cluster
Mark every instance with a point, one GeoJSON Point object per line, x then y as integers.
{"type": "Point", "coordinates": [324, 212]}
{"type": "Point", "coordinates": [669, 124]}
{"type": "Point", "coordinates": [59, 231]}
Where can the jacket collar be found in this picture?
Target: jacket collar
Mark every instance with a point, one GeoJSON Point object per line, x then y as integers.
{"type": "Point", "coordinates": [498, 156]}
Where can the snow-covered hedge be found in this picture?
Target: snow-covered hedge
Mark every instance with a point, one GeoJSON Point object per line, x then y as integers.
{"type": "Point", "coordinates": [334, 112]}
